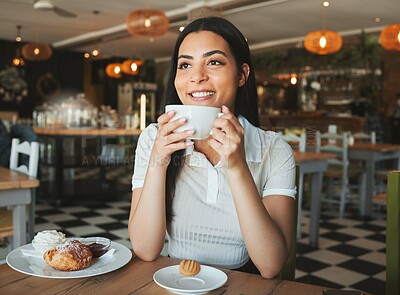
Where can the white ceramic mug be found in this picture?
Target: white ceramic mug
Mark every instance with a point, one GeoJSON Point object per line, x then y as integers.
{"type": "Point", "coordinates": [199, 118]}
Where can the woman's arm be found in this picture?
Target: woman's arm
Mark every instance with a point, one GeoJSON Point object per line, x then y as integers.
{"type": "Point", "coordinates": [266, 224]}
{"type": "Point", "coordinates": [147, 220]}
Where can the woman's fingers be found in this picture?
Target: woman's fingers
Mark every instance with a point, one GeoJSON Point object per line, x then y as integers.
{"type": "Point", "coordinates": [178, 136]}
{"type": "Point", "coordinates": [228, 115]}
{"type": "Point", "coordinates": [168, 126]}
{"type": "Point", "coordinates": [218, 135]}
{"type": "Point", "coordinates": [164, 118]}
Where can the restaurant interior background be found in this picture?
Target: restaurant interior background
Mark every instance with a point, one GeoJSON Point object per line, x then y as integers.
{"type": "Point", "coordinates": [359, 80]}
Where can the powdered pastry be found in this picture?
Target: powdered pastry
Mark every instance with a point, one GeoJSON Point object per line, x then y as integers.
{"type": "Point", "coordinates": [189, 267]}
{"type": "Point", "coordinates": [68, 257]}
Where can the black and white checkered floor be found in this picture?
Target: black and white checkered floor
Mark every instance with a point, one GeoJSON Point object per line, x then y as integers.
{"type": "Point", "coordinates": [351, 252]}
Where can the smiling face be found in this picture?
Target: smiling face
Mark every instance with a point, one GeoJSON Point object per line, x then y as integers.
{"type": "Point", "coordinates": [207, 73]}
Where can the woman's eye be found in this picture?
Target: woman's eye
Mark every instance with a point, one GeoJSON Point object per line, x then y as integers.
{"type": "Point", "coordinates": [215, 63]}
{"type": "Point", "coordinates": [183, 66]}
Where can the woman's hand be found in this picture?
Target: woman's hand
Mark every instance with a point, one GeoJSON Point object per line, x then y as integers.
{"type": "Point", "coordinates": [227, 139]}
{"type": "Point", "coordinates": [167, 142]}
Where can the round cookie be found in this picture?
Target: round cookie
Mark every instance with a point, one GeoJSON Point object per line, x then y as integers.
{"type": "Point", "coordinates": [189, 267]}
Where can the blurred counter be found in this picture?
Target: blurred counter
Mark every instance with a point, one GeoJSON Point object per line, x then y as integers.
{"type": "Point", "coordinates": [64, 150]}
{"type": "Point", "coordinates": [313, 121]}
{"type": "Point", "coordinates": [86, 131]}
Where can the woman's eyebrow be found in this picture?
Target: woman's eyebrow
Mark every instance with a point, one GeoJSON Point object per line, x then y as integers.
{"type": "Point", "coordinates": [207, 54]}
{"type": "Point", "coordinates": [185, 56]}
{"type": "Point", "coordinates": [212, 52]}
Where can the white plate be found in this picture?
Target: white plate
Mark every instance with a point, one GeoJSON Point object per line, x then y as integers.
{"type": "Point", "coordinates": [36, 266]}
{"type": "Point", "coordinates": [208, 279]}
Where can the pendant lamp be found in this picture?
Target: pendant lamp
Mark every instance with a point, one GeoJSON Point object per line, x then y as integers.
{"type": "Point", "coordinates": [390, 37]}
{"type": "Point", "coordinates": [18, 61]}
{"type": "Point", "coordinates": [131, 67]}
{"type": "Point", "coordinates": [147, 22]}
{"type": "Point", "coordinates": [36, 51]}
{"type": "Point", "coordinates": [114, 70]}
{"type": "Point", "coordinates": [324, 41]}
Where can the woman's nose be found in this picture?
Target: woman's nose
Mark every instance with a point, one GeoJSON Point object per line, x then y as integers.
{"type": "Point", "coordinates": [198, 75]}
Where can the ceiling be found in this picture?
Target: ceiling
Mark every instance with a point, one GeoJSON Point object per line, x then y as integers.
{"type": "Point", "coordinates": [266, 24]}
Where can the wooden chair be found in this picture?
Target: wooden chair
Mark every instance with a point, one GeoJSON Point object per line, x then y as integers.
{"type": "Point", "coordinates": [6, 227]}
{"type": "Point", "coordinates": [339, 173]}
{"type": "Point", "coordinates": [364, 137]}
{"type": "Point", "coordinates": [298, 140]}
{"type": "Point", "coordinates": [380, 173]}
{"type": "Point", "coordinates": [393, 234]}
{"type": "Point", "coordinates": [31, 151]}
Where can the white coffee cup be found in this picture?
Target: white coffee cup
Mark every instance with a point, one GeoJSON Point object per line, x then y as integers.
{"type": "Point", "coordinates": [199, 118]}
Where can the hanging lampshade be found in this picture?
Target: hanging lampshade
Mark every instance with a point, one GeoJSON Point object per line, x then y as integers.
{"type": "Point", "coordinates": [323, 42]}
{"type": "Point", "coordinates": [18, 61]}
{"type": "Point", "coordinates": [147, 22]}
{"type": "Point", "coordinates": [390, 37]}
{"type": "Point", "coordinates": [114, 70]}
{"type": "Point", "coordinates": [36, 51]}
{"type": "Point", "coordinates": [131, 67]}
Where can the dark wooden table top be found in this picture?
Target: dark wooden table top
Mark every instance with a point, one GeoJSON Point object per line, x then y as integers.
{"type": "Point", "coordinates": [137, 278]}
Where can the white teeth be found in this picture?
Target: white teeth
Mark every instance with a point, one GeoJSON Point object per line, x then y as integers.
{"type": "Point", "coordinates": [202, 94]}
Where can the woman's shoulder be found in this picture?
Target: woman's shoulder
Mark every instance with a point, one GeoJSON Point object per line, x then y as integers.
{"type": "Point", "coordinates": [266, 136]}
{"type": "Point", "coordinates": [269, 141]}
{"type": "Point", "coordinates": [275, 140]}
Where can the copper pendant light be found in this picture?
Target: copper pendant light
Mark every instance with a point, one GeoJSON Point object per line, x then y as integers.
{"type": "Point", "coordinates": [131, 67]}
{"type": "Point", "coordinates": [147, 22]}
{"type": "Point", "coordinates": [114, 70]}
{"type": "Point", "coordinates": [324, 41]}
{"type": "Point", "coordinates": [390, 37]}
{"type": "Point", "coordinates": [36, 51]}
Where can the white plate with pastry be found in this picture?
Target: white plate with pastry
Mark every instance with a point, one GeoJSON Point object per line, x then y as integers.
{"type": "Point", "coordinates": [20, 260]}
{"type": "Point", "coordinates": [208, 279]}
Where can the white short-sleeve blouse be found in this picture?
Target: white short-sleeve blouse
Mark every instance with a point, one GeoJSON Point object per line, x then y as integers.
{"type": "Point", "coordinates": [205, 226]}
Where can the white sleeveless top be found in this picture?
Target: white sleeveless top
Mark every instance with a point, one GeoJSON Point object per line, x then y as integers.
{"type": "Point", "coordinates": [205, 226]}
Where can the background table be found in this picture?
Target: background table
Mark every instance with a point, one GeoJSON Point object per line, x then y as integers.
{"type": "Point", "coordinates": [315, 164]}
{"type": "Point", "coordinates": [370, 154]}
{"type": "Point", "coordinates": [137, 278]}
{"type": "Point", "coordinates": [15, 191]}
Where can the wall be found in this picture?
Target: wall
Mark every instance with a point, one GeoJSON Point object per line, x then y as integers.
{"type": "Point", "coordinates": [391, 72]}
{"type": "Point", "coordinates": [63, 72]}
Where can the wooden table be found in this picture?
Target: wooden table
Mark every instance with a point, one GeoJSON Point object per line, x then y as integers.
{"type": "Point", "coordinates": [61, 134]}
{"type": "Point", "coordinates": [370, 154]}
{"type": "Point", "coordinates": [15, 191]}
{"type": "Point", "coordinates": [137, 278]}
{"type": "Point", "coordinates": [315, 164]}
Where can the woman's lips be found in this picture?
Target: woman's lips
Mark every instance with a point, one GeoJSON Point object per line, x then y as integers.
{"type": "Point", "coordinates": [201, 95]}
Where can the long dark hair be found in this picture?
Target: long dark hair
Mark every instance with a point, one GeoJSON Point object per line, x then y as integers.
{"type": "Point", "coordinates": [246, 103]}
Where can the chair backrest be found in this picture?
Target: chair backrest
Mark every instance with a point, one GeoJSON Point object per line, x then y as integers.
{"type": "Point", "coordinates": [298, 138]}
{"type": "Point", "coordinates": [364, 137]}
{"type": "Point", "coordinates": [337, 144]}
{"type": "Point", "coordinates": [25, 148]}
{"type": "Point", "coordinates": [393, 234]}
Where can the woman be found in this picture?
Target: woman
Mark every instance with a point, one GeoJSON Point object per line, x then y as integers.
{"type": "Point", "coordinates": [248, 174]}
